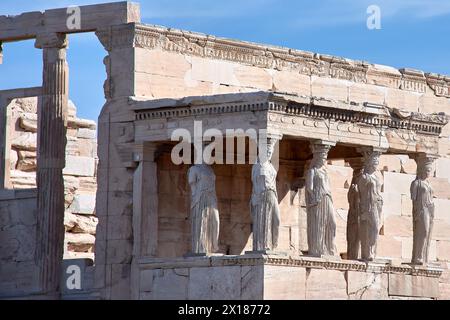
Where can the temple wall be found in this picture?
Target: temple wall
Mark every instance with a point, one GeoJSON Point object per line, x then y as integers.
{"type": "Point", "coordinates": [150, 63]}
{"type": "Point", "coordinates": [79, 175]}
{"type": "Point", "coordinates": [278, 278]}
{"type": "Point", "coordinates": [18, 272]}
{"type": "Point", "coordinates": [233, 189]}
{"type": "Point", "coordinates": [396, 241]}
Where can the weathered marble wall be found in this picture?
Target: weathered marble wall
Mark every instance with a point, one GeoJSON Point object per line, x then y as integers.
{"type": "Point", "coordinates": [275, 278]}
{"type": "Point", "coordinates": [18, 272]}
{"type": "Point", "coordinates": [233, 189]}
{"type": "Point", "coordinates": [153, 62]}
{"type": "Point", "coordinates": [396, 241]}
{"type": "Point", "coordinates": [79, 174]}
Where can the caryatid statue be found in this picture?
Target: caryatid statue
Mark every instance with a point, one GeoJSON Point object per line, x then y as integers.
{"type": "Point", "coordinates": [321, 222]}
{"type": "Point", "coordinates": [204, 212]}
{"type": "Point", "coordinates": [423, 209]}
{"type": "Point", "coordinates": [264, 200]}
{"type": "Point", "coordinates": [353, 233]}
{"type": "Point", "coordinates": [370, 204]}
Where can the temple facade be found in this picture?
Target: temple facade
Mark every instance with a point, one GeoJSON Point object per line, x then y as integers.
{"type": "Point", "coordinates": [340, 191]}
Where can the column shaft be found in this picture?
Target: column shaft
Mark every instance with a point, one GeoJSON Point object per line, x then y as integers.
{"type": "Point", "coordinates": [52, 121]}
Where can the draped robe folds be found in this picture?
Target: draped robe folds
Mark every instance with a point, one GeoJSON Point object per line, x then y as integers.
{"type": "Point", "coordinates": [204, 212]}
{"type": "Point", "coordinates": [264, 207]}
{"type": "Point", "coordinates": [321, 224]}
{"type": "Point", "coordinates": [423, 215]}
{"type": "Point", "coordinates": [370, 208]}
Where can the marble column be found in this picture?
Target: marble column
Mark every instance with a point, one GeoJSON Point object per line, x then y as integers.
{"type": "Point", "coordinates": [353, 232]}
{"type": "Point", "coordinates": [52, 123]}
{"type": "Point", "coordinates": [370, 203]}
{"type": "Point", "coordinates": [423, 208]}
{"type": "Point", "coordinates": [321, 220]}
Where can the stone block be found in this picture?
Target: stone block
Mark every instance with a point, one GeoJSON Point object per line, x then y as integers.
{"type": "Point", "coordinates": [361, 93]}
{"type": "Point", "coordinates": [215, 283]}
{"type": "Point", "coordinates": [162, 63]}
{"type": "Point", "coordinates": [398, 226]}
{"type": "Point", "coordinates": [156, 86]}
{"type": "Point", "coordinates": [291, 82]}
{"type": "Point", "coordinates": [79, 166]}
{"type": "Point", "coordinates": [441, 187]}
{"type": "Point", "coordinates": [80, 223]}
{"type": "Point", "coordinates": [120, 281]}
{"type": "Point", "coordinates": [25, 141]}
{"type": "Point", "coordinates": [392, 204]}
{"type": "Point", "coordinates": [322, 284]}
{"type": "Point", "coordinates": [79, 242]}
{"type": "Point", "coordinates": [443, 250]}
{"type": "Point", "coordinates": [28, 121]}
{"type": "Point", "coordinates": [389, 247]}
{"type": "Point", "coordinates": [413, 286]}
{"type": "Point", "coordinates": [367, 285]}
{"type": "Point", "coordinates": [83, 204]}
{"type": "Point", "coordinates": [119, 251]}
{"type": "Point", "coordinates": [119, 227]}
{"type": "Point", "coordinates": [340, 176]}
{"type": "Point", "coordinates": [340, 200]}
{"type": "Point", "coordinates": [441, 230]}
{"type": "Point", "coordinates": [406, 205]}
{"type": "Point", "coordinates": [146, 279]}
{"type": "Point", "coordinates": [401, 99]}
{"type": "Point", "coordinates": [252, 282]}
{"type": "Point", "coordinates": [214, 71]}
{"type": "Point", "coordinates": [170, 284]}
{"type": "Point", "coordinates": [85, 133]}
{"type": "Point", "coordinates": [442, 210]}
{"type": "Point", "coordinates": [397, 183]}
{"type": "Point", "coordinates": [329, 88]}
{"type": "Point", "coordinates": [407, 245]}
{"type": "Point", "coordinates": [429, 103]}
{"type": "Point", "coordinates": [389, 162]}
{"type": "Point", "coordinates": [284, 283]}
{"type": "Point", "coordinates": [253, 77]}
{"type": "Point", "coordinates": [409, 166]}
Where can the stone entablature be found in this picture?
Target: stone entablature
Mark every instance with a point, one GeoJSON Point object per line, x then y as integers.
{"type": "Point", "coordinates": [272, 57]}
{"type": "Point", "coordinates": [305, 117]}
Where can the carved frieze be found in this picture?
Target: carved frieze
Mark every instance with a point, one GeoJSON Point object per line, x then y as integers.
{"type": "Point", "coordinates": [365, 119]}
{"type": "Point", "coordinates": [439, 83]}
{"type": "Point", "coordinates": [413, 80]}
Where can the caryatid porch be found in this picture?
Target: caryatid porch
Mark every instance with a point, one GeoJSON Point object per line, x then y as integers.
{"type": "Point", "coordinates": [161, 203]}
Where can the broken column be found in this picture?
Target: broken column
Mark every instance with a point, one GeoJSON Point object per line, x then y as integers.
{"type": "Point", "coordinates": [52, 121]}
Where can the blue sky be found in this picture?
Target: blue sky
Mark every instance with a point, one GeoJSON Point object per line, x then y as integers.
{"type": "Point", "coordinates": [414, 34]}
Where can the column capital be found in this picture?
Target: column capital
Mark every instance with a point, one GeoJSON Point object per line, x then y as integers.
{"type": "Point", "coordinates": [51, 40]}
{"type": "Point", "coordinates": [274, 136]}
{"type": "Point", "coordinates": [355, 163]}
{"type": "Point", "coordinates": [371, 149]}
{"type": "Point", "coordinates": [322, 142]}
{"type": "Point", "coordinates": [131, 154]}
{"type": "Point", "coordinates": [422, 156]}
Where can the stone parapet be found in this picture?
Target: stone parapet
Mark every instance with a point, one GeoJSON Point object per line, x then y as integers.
{"type": "Point", "coordinates": [283, 277]}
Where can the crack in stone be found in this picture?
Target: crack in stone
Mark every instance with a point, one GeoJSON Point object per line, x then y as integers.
{"type": "Point", "coordinates": [360, 292]}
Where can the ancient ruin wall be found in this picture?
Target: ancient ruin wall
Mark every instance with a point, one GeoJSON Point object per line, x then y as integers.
{"type": "Point", "coordinates": [168, 63]}
{"type": "Point", "coordinates": [79, 174]}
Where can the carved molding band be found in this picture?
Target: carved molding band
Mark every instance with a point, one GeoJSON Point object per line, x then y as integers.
{"type": "Point", "coordinates": [370, 115]}
{"type": "Point", "coordinates": [303, 262]}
